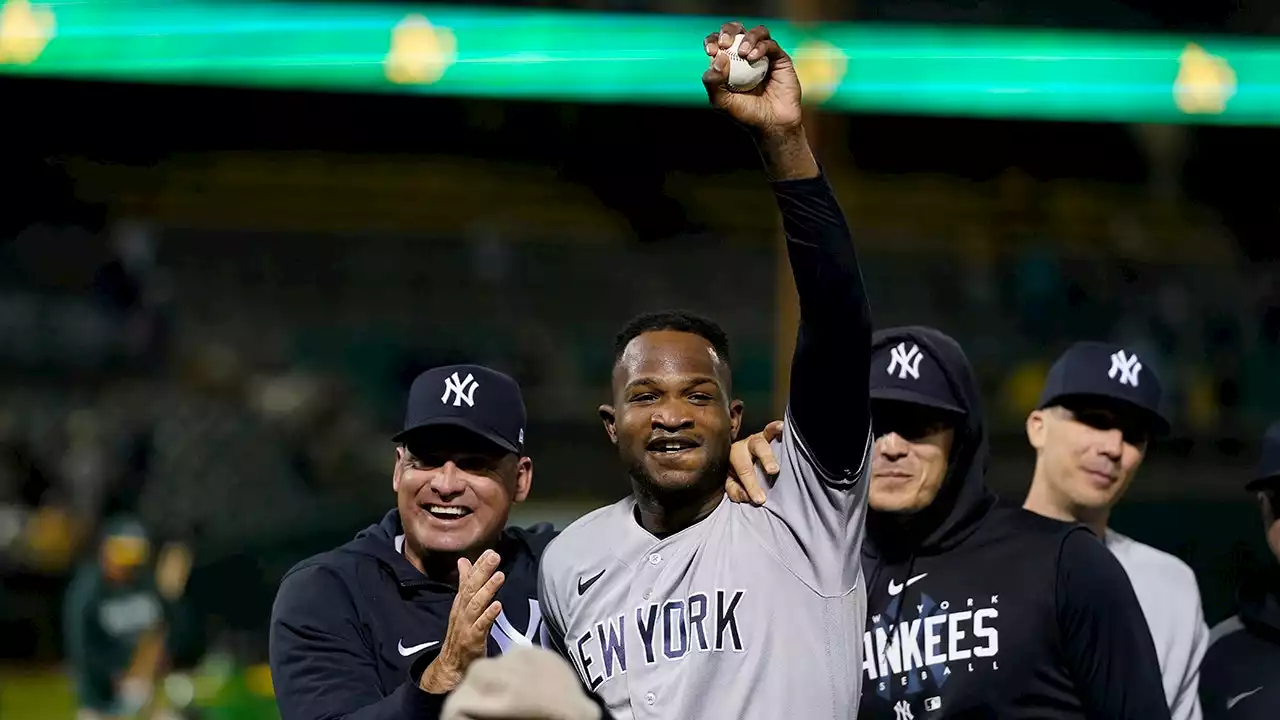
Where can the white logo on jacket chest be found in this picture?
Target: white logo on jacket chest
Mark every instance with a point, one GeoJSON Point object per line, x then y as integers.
{"type": "Point", "coordinates": [506, 634]}
{"type": "Point", "coordinates": [414, 649]}
{"type": "Point", "coordinates": [913, 649]}
{"type": "Point", "coordinates": [896, 588]}
{"type": "Point", "coordinates": [129, 615]}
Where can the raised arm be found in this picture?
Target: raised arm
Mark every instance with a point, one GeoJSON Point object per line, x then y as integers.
{"type": "Point", "coordinates": [815, 504]}
{"type": "Point", "coordinates": [828, 399]}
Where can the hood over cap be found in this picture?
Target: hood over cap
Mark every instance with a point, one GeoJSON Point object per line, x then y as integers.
{"type": "Point", "coordinates": [925, 366]}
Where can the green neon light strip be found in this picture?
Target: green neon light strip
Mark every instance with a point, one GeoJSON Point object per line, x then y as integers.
{"type": "Point", "coordinates": [644, 59]}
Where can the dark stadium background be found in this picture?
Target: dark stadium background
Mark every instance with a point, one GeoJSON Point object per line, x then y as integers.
{"type": "Point", "coordinates": [309, 252]}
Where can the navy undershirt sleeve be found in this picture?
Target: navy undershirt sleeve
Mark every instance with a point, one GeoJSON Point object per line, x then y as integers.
{"type": "Point", "coordinates": [828, 399]}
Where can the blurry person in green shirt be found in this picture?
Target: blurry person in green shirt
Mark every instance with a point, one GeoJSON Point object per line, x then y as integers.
{"type": "Point", "coordinates": [120, 624]}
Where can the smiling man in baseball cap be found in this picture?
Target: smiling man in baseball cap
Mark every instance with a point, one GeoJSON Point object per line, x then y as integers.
{"type": "Point", "coordinates": [1098, 413]}
{"type": "Point", "coordinates": [460, 464]}
{"type": "Point", "coordinates": [386, 625]}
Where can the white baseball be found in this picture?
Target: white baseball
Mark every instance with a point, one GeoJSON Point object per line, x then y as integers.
{"type": "Point", "coordinates": [744, 75]}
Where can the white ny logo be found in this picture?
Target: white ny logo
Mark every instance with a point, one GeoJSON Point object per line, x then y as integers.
{"type": "Point", "coordinates": [507, 635]}
{"type": "Point", "coordinates": [906, 362]}
{"type": "Point", "coordinates": [462, 390]}
{"type": "Point", "coordinates": [1128, 367]}
{"type": "Point", "coordinates": [902, 711]}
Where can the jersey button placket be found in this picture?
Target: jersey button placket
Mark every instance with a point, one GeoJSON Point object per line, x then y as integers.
{"type": "Point", "coordinates": [647, 579]}
{"type": "Point", "coordinates": [654, 559]}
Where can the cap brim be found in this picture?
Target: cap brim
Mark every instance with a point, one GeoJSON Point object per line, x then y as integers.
{"type": "Point", "coordinates": [457, 422]}
{"type": "Point", "coordinates": [914, 398]}
{"type": "Point", "coordinates": [1158, 425]}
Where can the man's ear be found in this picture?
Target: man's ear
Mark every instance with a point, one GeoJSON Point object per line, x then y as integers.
{"type": "Point", "coordinates": [524, 478]}
{"type": "Point", "coordinates": [1036, 428]}
{"type": "Point", "coordinates": [397, 469]}
{"type": "Point", "coordinates": [607, 417]}
{"type": "Point", "coordinates": [735, 418]}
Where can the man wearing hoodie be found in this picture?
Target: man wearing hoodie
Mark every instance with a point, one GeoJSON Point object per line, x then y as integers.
{"type": "Point", "coordinates": [977, 609]}
{"type": "Point", "coordinates": [1240, 677]}
{"type": "Point", "coordinates": [386, 625]}
{"type": "Point", "coordinates": [1099, 410]}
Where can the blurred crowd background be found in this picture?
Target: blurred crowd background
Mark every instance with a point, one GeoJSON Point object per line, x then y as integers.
{"type": "Point", "coordinates": [212, 300]}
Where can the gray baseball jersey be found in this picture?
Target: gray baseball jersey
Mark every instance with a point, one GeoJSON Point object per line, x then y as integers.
{"type": "Point", "coordinates": [752, 613]}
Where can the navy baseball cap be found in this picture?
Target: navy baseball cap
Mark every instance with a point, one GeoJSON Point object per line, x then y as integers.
{"type": "Point", "coordinates": [906, 372]}
{"type": "Point", "coordinates": [1103, 370]}
{"type": "Point", "coordinates": [1267, 473]}
{"type": "Point", "coordinates": [472, 397]}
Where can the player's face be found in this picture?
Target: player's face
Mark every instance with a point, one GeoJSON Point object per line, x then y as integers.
{"type": "Point", "coordinates": [1270, 500]}
{"type": "Point", "coordinates": [672, 419]}
{"type": "Point", "coordinates": [910, 458]}
{"type": "Point", "coordinates": [454, 490]}
{"type": "Point", "coordinates": [1089, 453]}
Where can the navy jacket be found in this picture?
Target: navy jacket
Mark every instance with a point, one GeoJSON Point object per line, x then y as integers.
{"type": "Point", "coordinates": [1240, 672]}
{"type": "Point", "coordinates": [353, 628]}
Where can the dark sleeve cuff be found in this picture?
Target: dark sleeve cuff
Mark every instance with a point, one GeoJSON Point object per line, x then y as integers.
{"type": "Point", "coordinates": [817, 184]}
{"type": "Point", "coordinates": [419, 665]}
{"type": "Point", "coordinates": [419, 704]}
{"type": "Point", "coordinates": [843, 477]}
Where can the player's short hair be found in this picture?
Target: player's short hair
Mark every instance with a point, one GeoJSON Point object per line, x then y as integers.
{"type": "Point", "coordinates": [675, 320]}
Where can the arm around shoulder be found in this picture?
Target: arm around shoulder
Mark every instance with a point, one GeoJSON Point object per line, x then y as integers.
{"type": "Point", "coordinates": [322, 665]}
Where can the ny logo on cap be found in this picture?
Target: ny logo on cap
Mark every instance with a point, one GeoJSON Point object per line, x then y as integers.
{"type": "Point", "coordinates": [1127, 366]}
{"type": "Point", "coordinates": [463, 391]}
{"type": "Point", "coordinates": [906, 362]}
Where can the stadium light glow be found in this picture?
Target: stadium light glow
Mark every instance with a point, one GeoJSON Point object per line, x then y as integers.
{"type": "Point", "coordinates": [650, 59]}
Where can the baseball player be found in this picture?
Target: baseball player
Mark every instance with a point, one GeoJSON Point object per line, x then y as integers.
{"type": "Point", "coordinates": [675, 603]}
{"type": "Point", "coordinates": [1099, 410]}
{"type": "Point", "coordinates": [121, 625]}
{"type": "Point", "coordinates": [977, 609]}
{"type": "Point", "coordinates": [1240, 676]}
